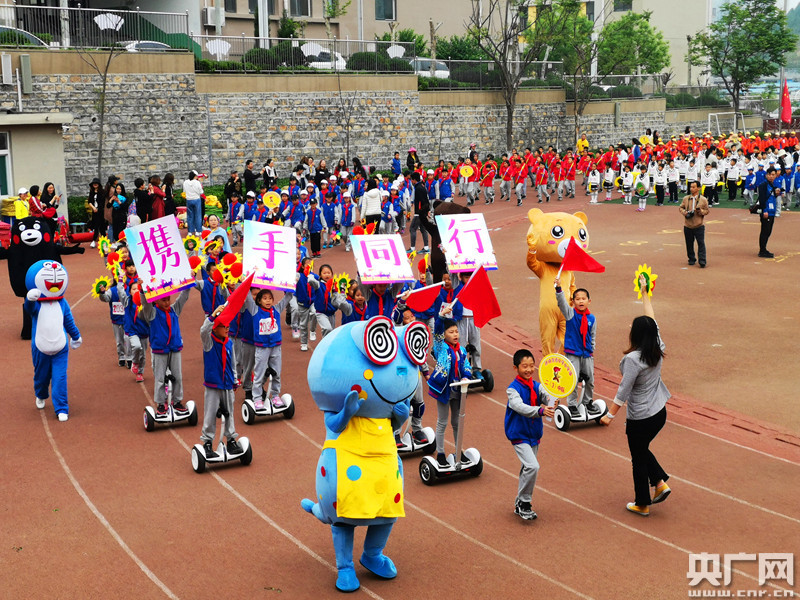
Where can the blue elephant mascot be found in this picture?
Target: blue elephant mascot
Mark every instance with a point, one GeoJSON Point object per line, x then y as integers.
{"type": "Point", "coordinates": [363, 376]}
{"type": "Point", "coordinates": [47, 281]}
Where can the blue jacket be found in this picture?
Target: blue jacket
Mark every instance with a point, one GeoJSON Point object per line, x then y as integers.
{"type": "Point", "coordinates": [447, 296]}
{"type": "Point", "coordinates": [250, 211]}
{"type": "Point", "coordinates": [218, 360]}
{"type": "Point", "coordinates": [750, 182]}
{"type": "Point", "coordinates": [381, 305]}
{"type": "Point", "coordinates": [322, 301]}
{"type": "Point", "coordinates": [519, 428]}
{"type": "Point", "coordinates": [359, 186]}
{"type": "Point", "coordinates": [304, 291]}
{"type": "Point", "coordinates": [355, 315]}
{"type": "Point", "coordinates": [348, 214]}
{"type": "Point", "coordinates": [134, 323]}
{"type": "Point", "coordinates": [445, 188]}
{"type": "Point", "coordinates": [165, 330]}
{"type": "Point", "coordinates": [430, 186]}
{"type": "Point", "coordinates": [451, 366]}
{"type": "Point", "coordinates": [315, 221]}
{"type": "Point", "coordinates": [114, 303]}
{"type": "Point", "coordinates": [267, 328]}
{"type": "Point", "coordinates": [211, 294]}
{"type": "Point", "coordinates": [294, 214]}
{"type": "Point", "coordinates": [573, 340]}
{"type": "Point", "coordinates": [329, 212]}
{"type": "Point", "coordinates": [233, 212]}
{"type": "Point", "coordinates": [397, 167]}
{"type": "Point", "coordinates": [761, 177]}
{"type": "Point", "coordinates": [246, 328]}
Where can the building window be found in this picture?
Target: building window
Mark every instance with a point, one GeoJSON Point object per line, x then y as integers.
{"type": "Point", "coordinates": [622, 5]}
{"type": "Point", "coordinates": [590, 11]}
{"type": "Point", "coordinates": [230, 6]}
{"type": "Point", "coordinates": [5, 166]}
{"type": "Point", "coordinates": [300, 8]}
{"type": "Point", "coordinates": [252, 6]}
{"type": "Point", "coordinates": [385, 10]}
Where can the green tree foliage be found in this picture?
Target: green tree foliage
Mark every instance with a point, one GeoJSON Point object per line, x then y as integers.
{"type": "Point", "coordinates": [750, 41]}
{"type": "Point", "coordinates": [630, 43]}
{"type": "Point", "coordinates": [408, 37]}
{"type": "Point", "coordinates": [288, 27]}
{"type": "Point", "coordinates": [459, 48]}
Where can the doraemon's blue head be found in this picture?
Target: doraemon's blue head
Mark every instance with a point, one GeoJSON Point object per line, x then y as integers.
{"type": "Point", "coordinates": [49, 277]}
{"type": "Point", "coordinates": [373, 357]}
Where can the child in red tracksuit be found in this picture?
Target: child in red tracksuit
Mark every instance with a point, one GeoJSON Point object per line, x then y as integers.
{"type": "Point", "coordinates": [521, 181]}
{"type": "Point", "coordinates": [506, 176]}
{"type": "Point", "coordinates": [488, 173]}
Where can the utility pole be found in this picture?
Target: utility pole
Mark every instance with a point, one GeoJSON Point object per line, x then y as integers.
{"type": "Point", "coordinates": [783, 76]}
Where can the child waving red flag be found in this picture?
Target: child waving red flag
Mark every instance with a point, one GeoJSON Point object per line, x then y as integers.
{"type": "Point", "coordinates": [478, 296]}
{"type": "Point", "coordinates": [577, 259]}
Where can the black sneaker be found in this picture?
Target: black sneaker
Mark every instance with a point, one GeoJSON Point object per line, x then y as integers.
{"type": "Point", "coordinates": [464, 458]}
{"type": "Point", "coordinates": [128, 364]}
{"type": "Point", "coordinates": [420, 437]}
{"type": "Point", "coordinates": [234, 447]}
{"type": "Point", "coordinates": [161, 410]}
{"type": "Point", "coordinates": [592, 409]}
{"type": "Point", "coordinates": [766, 254]}
{"type": "Point", "coordinates": [691, 262]}
{"type": "Point", "coordinates": [179, 408]}
{"type": "Point", "coordinates": [397, 441]}
{"type": "Point", "coordinates": [248, 394]}
{"type": "Point", "coordinates": [209, 450]}
{"type": "Point", "coordinates": [122, 364]}
{"type": "Point", "coordinates": [442, 460]}
{"type": "Point", "coordinates": [519, 202]}
{"type": "Point", "coordinates": [524, 510]}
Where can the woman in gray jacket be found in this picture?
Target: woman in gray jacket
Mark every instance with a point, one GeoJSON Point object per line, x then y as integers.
{"type": "Point", "coordinates": [641, 387]}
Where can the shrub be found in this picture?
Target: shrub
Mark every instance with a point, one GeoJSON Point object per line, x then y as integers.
{"type": "Point", "coordinates": [626, 91]}
{"type": "Point", "coordinates": [597, 93]}
{"type": "Point", "coordinates": [399, 65]}
{"type": "Point", "coordinates": [259, 56]}
{"type": "Point", "coordinates": [368, 61]}
{"type": "Point", "coordinates": [710, 99]}
{"type": "Point", "coordinates": [682, 100]}
{"type": "Point", "coordinates": [14, 38]}
{"type": "Point", "coordinates": [476, 74]}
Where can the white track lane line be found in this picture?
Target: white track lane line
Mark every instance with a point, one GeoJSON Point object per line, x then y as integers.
{"type": "Point", "coordinates": [676, 477]}
{"type": "Point", "coordinates": [465, 535]}
{"type": "Point", "coordinates": [261, 514]}
{"type": "Point", "coordinates": [786, 460]}
{"type": "Point", "coordinates": [152, 576]}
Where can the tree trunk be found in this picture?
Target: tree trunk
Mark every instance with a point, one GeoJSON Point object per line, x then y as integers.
{"type": "Point", "coordinates": [101, 131]}
{"type": "Point", "coordinates": [509, 122]}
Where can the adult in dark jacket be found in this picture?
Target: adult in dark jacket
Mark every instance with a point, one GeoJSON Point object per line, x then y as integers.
{"type": "Point", "coordinates": [422, 209]}
{"type": "Point", "coordinates": [412, 159]}
{"type": "Point", "coordinates": [97, 202]}
{"type": "Point", "coordinates": [768, 199]}
{"type": "Point", "coordinates": [322, 173]}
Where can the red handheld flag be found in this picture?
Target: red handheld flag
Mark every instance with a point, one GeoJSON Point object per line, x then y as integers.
{"type": "Point", "coordinates": [786, 104]}
{"type": "Point", "coordinates": [235, 302]}
{"type": "Point", "coordinates": [478, 296]}
{"type": "Point", "coordinates": [422, 299]}
{"type": "Point", "coordinates": [577, 259]}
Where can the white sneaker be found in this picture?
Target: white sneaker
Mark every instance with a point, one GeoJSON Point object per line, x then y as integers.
{"type": "Point", "coordinates": [63, 417]}
{"type": "Point", "coordinates": [312, 335]}
{"type": "Point", "coordinates": [304, 347]}
{"type": "Point", "coordinates": [296, 334]}
{"type": "Point", "coordinates": [39, 403]}
{"type": "Point", "coordinates": [92, 245]}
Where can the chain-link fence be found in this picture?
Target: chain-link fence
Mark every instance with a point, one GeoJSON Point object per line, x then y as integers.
{"type": "Point", "coordinates": [26, 26]}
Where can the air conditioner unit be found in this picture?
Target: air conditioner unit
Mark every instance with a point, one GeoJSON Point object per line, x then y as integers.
{"type": "Point", "coordinates": [210, 16]}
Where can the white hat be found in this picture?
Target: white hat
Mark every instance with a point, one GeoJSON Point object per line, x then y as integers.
{"type": "Point", "coordinates": [193, 172]}
{"type": "Point", "coordinates": [251, 193]}
{"type": "Point", "coordinates": [379, 176]}
{"type": "Point", "coordinates": [344, 174]}
{"type": "Point", "coordinates": [346, 195]}
{"type": "Point", "coordinates": [303, 193]}
{"type": "Point", "coordinates": [332, 178]}
{"type": "Point", "coordinates": [395, 186]}
{"type": "Point", "coordinates": [285, 191]}
{"type": "Point", "coordinates": [384, 193]}
{"type": "Point", "coordinates": [310, 184]}
{"type": "Point", "coordinates": [430, 171]}
{"type": "Point", "coordinates": [22, 191]}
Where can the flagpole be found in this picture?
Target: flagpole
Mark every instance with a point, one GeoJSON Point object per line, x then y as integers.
{"type": "Point", "coordinates": [783, 82]}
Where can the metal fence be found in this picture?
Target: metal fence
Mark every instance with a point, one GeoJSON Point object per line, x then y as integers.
{"type": "Point", "coordinates": [93, 28]}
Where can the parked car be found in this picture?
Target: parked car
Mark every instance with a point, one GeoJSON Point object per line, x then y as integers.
{"type": "Point", "coordinates": [324, 60]}
{"type": "Point", "coordinates": [422, 67]}
{"type": "Point", "coordinates": [147, 46]}
{"type": "Point", "coordinates": [10, 36]}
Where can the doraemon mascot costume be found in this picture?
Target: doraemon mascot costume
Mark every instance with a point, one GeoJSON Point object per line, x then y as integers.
{"type": "Point", "coordinates": [31, 241]}
{"type": "Point", "coordinates": [52, 322]}
{"type": "Point", "coordinates": [363, 375]}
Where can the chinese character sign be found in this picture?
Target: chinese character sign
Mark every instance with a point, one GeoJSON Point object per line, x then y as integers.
{"type": "Point", "coordinates": [270, 251]}
{"type": "Point", "coordinates": [381, 259]}
{"type": "Point", "coordinates": [157, 251]}
{"type": "Point", "coordinates": [466, 242]}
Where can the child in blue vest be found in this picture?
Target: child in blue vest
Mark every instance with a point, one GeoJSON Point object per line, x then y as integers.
{"type": "Point", "coordinates": [397, 167]}
{"type": "Point", "coordinates": [213, 290]}
{"type": "Point", "coordinates": [305, 291]}
{"type": "Point", "coordinates": [470, 335]}
{"type": "Point", "coordinates": [325, 301]}
{"type": "Point", "coordinates": [166, 344]}
{"type": "Point", "coordinates": [315, 224]}
{"type": "Point", "coordinates": [445, 304]}
{"type": "Point", "coordinates": [347, 218]}
{"type": "Point", "coordinates": [117, 314]}
{"type": "Point", "coordinates": [246, 350]}
{"type": "Point", "coordinates": [250, 207]}
{"type": "Point", "coordinates": [452, 365]}
{"type": "Point", "coordinates": [235, 217]}
{"type": "Point", "coordinates": [137, 329]}
{"type": "Point", "coordinates": [387, 223]}
{"type": "Point", "coordinates": [267, 338]}
{"type": "Point", "coordinates": [381, 298]}
{"type": "Point", "coordinates": [354, 308]}
{"type": "Point", "coordinates": [445, 186]}
{"type": "Point", "coordinates": [294, 214]}
{"type": "Point", "coordinates": [332, 213]}
{"type": "Point", "coordinates": [579, 344]}
{"type": "Point", "coordinates": [527, 404]}
{"type": "Point", "coordinates": [219, 380]}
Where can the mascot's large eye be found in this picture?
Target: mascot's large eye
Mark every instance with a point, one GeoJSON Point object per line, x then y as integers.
{"type": "Point", "coordinates": [582, 234]}
{"type": "Point", "coordinates": [22, 227]}
{"type": "Point", "coordinates": [418, 341]}
{"type": "Point", "coordinates": [37, 226]}
{"type": "Point", "coordinates": [380, 341]}
{"type": "Point", "coordinates": [557, 232]}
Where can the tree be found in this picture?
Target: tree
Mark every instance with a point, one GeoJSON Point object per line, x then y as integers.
{"type": "Point", "coordinates": [333, 9]}
{"type": "Point", "coordinates": [498, 26]}
{"type": "Point", "coordinates": [631, 45]}
{"type": "Point", "coordinates": [408, 38]}
{"type": "Point", "coordinates": [747, 43]}
{"type": "Point", "coordinates": [460, 48]}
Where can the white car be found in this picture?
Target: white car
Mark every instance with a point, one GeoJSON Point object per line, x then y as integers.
{"type": "Point", "coordinates": [324, 60]}
{"type": "Point", "coordinates": [147, 46]}
{"type": "Point", "coordinates": [422, 67]}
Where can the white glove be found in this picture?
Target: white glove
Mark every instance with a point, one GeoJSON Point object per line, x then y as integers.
{"type": "Point", "coordinates": [75, 344]}
{"type": "Point", "coordinates": [34, 295]}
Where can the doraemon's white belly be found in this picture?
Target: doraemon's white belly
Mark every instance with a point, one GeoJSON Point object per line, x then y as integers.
{"type": "Point", "coordinates": [50, 336]}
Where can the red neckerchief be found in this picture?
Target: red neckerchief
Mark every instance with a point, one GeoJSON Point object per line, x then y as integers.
{"type": "Point", "coordinates": [223, 353]}
{"type": "Point", "coordinates": [347, 210]}
{"type": "Point", "coordinates": [361, 312]}
{"type": "Point", "coordinates": [456, 356]}
{"type": "Point", "coordinates": [50, 298]}
{"type": "Point", "coordinates": [313, 216]}
{"type": "Point", "coordinates": [294, 206]}
{"type": "Point", "coordinates": [309, 290]}
{"type": "Point", "coordinates": [449, 294]}
{"type": "Point", "coordinates": [271, 311]}
{"type": "Point", "coordinates": [584, 323]}
{"type": "Point", "coordinates": [325, 295]}
{"type": "Point", "coordinates": [169, 321]}
{"type": "Point", "coordinates": [380, 305]}
{"type": "Point", "coordinates": [529, 384]}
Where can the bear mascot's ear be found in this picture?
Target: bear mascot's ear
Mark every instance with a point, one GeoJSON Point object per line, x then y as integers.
{"type": "Point", "coordinates": [534, 214]}
{"type": "Point", "coordinates": [580, 215]}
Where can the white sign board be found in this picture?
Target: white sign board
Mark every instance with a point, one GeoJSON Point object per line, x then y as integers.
{"type": "Point", "coordinates": [270, 251]}
{"type": "Point", "coordinates": [157, 251]}
{"type": "Point", "coordinates": [466, 242]}
{"type": "Point", "coordinates": [381, 259]}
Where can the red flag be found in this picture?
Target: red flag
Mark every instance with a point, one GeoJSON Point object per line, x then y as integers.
{"type": "Point", "coordinates": [235, 302]}
{"type": "Point", "coordinates": [422, 299]}
{"type": "Point", "coordinates": [576, 259]}
{"type": "Point", "coordinates": [478, 296]}
{"type": "Point", "coordinates": [786, 104]}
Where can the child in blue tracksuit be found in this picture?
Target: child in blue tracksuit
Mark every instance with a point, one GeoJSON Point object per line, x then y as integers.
{"type": "Point", "coordinates": [219, 381]}
{"type": "Point", "coordinates": [527, 404]}
{"type": "Point", "coordinates": [445, 187]}
{"type": "Point", "coordinates": [294, 214]}
{"type": "Point", "coordinates": [117, 314]}
{"type": "Point", "coordinates": [137, 329]}
{"type": "Point", "coordinates": [332, 212]}
{"type": "Point", "coordinates": [303, 324]}
{"type": "Point", "coordinates": [266, 317]}
{"type": "Point", "coordinates": [235, 217]}
{"type": "Point", "coordinates": [315, 224]}
{"type": "Point", "coordinates": [166, 344]}
{"type": "Point", "coordinates": [397, 167]}
{"type": "Point", "coordinates": [579, 344]}
{"type": "Point", "coordinates": [250, 208]}
{"type": "Point", "coordinates": [246, 350]}
{"type": "Point", "coordinates": [470, 335]}
{"type": "Point", "coordinates": [213, 291]}
{"type": "Point", "coordinates": [326, 300]}
{"type": "Point", "coordinates": [749, 185]}
{"type": "Point", "coordinates": [387, 214]}
{"type": "Point", "coordinates": [347, 218]}
{"type": "Point", "coordinates": [452, 365]}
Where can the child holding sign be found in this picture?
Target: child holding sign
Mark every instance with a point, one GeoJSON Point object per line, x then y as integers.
{"type": "Point", "coordinates": [117, 313]}
{"type": "Point", "coordinates": [527, 404]}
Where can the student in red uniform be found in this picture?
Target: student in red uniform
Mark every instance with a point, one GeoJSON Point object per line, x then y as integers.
{"type": "Point", "coordinates": [506, 176]}
{"type": "Point", "coordinates": [488, 173]}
